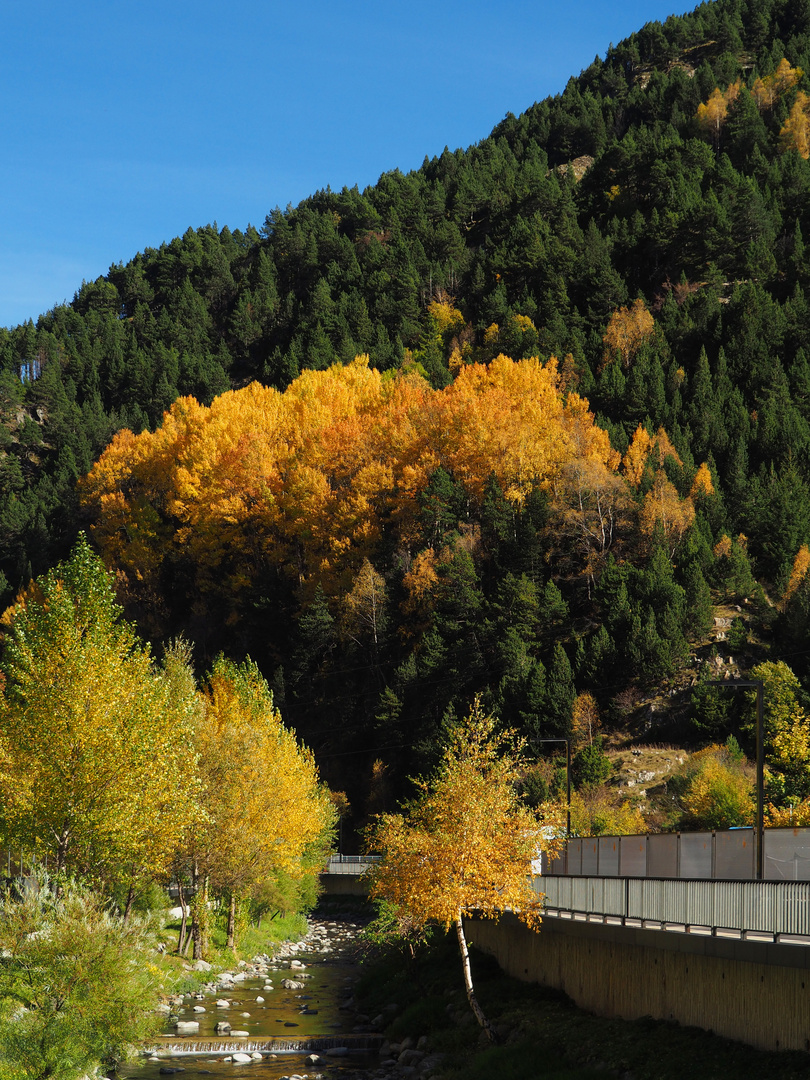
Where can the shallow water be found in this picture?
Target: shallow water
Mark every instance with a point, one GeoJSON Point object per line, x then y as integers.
{"type": "Point", "coordinates": [284, 1015]}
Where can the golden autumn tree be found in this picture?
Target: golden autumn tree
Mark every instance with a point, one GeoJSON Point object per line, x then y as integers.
{"type": "Point", "coordinates": [97, 771]}
{"type": "Point", "coordinates": [466, 844]}
{"type": "Point", "coordinates": [801, 564]}
{"type": "Point", "coordinates": [266, 810]}
{"type": "Point", "coordinates": [626, 332]}
{"type": "Point", "coordinates": [306, 484]}
{"type": "Point", "coordinates": [795, 132]}
{"type": "Point", "coordinates": [663, 509]}
{"type": "Point", "coordinates": [767, 91]}
{"type": "Point", "coordinates": [712, 114]}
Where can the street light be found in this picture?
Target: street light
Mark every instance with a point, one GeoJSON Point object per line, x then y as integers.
{"type": "Point", "coordinates": [757, 684]}
{"type": "Point", "coordinates": [536, 742]}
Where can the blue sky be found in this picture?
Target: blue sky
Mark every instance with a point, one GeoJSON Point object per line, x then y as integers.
{"type": "Point", "coordinates": [126, 124]}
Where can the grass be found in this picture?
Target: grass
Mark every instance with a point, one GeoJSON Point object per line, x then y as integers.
{"type": "Point", "coordinates": [177, 974]}
{"type": "Point", "coordinates": [545, 1037]}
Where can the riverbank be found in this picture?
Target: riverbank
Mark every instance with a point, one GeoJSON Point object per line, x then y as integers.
{"type": "Point", "coordinates": [543, 1036]}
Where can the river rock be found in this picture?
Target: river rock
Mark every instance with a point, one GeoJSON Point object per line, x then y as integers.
{"type": "Point", "coordinates": [201, 965]}
{"type": "Point", "coordinates": [223, 1028]}
{"type": "Point", "coordinates": [292, 984]}
{"type": "Point", "coordinates": [256, 1056]}
{"type": "Point", "coordinates": [187, 1027]}
{"type": "Point", "coordinates": [199, 1008]}
{"type": "Point", "coordinates": [260, 1000]}
{"type": "Point", "coordinates": [240, 1034]}
{"type": "Point", "coordinates": [223, 1003]}
{"type": "Point", "coordinates": [242, 1059]}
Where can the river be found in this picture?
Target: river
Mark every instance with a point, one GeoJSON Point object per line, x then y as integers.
{"type": "Point", "coordinates": [322, 965]}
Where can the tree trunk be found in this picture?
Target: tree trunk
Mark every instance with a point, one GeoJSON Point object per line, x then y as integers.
{"type": "Point", "coordinates": [230, 943]}
{"type": "Point", "coordinates": [128, 905]}
{"type": "Point", "coordinates": [478, 1012]}
{"type": "Point", "coordinates": [181, 940]}
{"type": "Point", "coordinates": [199, 926]}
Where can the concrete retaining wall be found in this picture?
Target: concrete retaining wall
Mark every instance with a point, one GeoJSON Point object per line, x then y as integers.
{"type": "Point", "coordinates": [343, 885]}
{"type": "Point", "coordinates": [756, 993]}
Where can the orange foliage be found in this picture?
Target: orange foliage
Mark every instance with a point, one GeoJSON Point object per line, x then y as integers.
{"type": "Point", "coordinates": [307, 480]}
{"type": "Point", "coordinates": [626, 332]}
{"type": "Point", "coordinates": [801, 564]}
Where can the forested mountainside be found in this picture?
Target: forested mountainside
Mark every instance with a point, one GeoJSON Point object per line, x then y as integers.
{"type": "Point", "coordinates": [646, 228]}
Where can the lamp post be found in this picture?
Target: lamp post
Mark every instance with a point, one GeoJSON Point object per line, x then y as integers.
{"type": "Point", "coordinates": [536, 742]}
{"type": "Point", "coordinates": [757, 684]}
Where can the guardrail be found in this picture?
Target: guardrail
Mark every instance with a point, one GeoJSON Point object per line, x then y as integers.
{"type": "Point", "coordinates": [350, 864]}
{"type": "Point", "coordinates": [751, 910]}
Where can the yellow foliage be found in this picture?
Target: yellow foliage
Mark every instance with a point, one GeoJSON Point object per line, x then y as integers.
{"type": "Point", "coordinates": [637, 454]}
{"type": "Point", "coordinates": [767, 91]}
{"type": "Point", "coordinates": [801, 564]}
{"type": "Point", "coordinates": [790, 817]}
{"type": "Point", "coordinates": [586, 720]}
{"type": "Point", "coordinates": [790, 742]}
{"type": "Point", "coordinates": [664, 508]}
{"type": "Point", "coordinates": [467, 843]}
{"type": "Point", "coordinates": [712, 115]}
{"type": "Point", "coordinates": [626, 332]}
{"type": "Point", "coordinates": [599, 811]}
{"type": "Point", "coordinates": [96, 765]}
{"type": "Point", "coordinates": [643, 448]}
{"type": "Point", "coordinates": [702, 484]}
{"type": "Point", "coordinates": [795, 132]}
{"type": "Point", "coordinates": [718, 796]}
{"type": "Point", "coordinates": [722, 549]}
{"type": "Point", "coordinates": [263, 800]}
{"type": "Point", "coordinates": [523, 322]}
{"type": "Point", "coordinates": [491, 334]}
{"type": "Point", "coordinates": [447, 319]}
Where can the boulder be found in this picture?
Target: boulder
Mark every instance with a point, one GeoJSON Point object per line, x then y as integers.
{"type": "Point", "coordinates": [242, 1059]}
{"type": "Point", "coordinates": [223, 1028]}
{"type": "Point", "coordinates": [201, 965]}
{"type": "Point", "coordinates": [187, 1027]}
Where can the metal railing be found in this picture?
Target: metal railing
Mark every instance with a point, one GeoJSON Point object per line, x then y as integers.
{"type": "Point", "coordinates": [350, 864]}
{"type": "Point", "coordinates": [758, 910]}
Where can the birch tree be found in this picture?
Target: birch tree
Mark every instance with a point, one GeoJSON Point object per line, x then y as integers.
{"type": "Point", "coordinates": [466, 845]}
